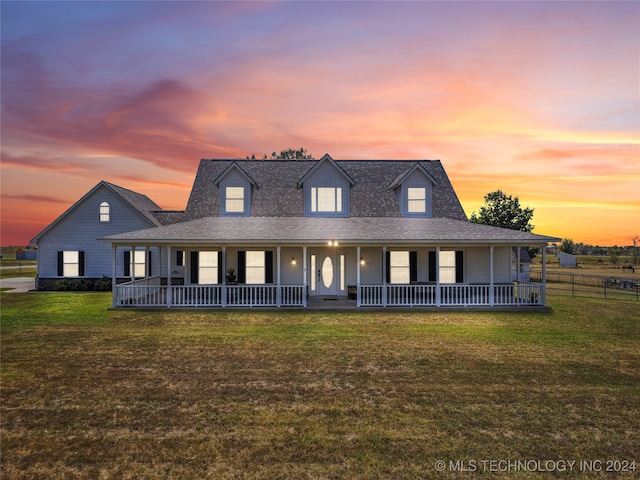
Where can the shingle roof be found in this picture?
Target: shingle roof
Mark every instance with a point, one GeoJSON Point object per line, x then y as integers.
{"type": "Point", "coordinates": [139, 202]}
{"type": "Point", "coordinates": [278, 195]}
{"type": "Point", "coordinates": [143, 204]}
{"type": "Point", "coordinates": [352, 230]}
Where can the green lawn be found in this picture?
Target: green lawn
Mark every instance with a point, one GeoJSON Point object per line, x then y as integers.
{"type": "Point", "coordinates": [94, 393]}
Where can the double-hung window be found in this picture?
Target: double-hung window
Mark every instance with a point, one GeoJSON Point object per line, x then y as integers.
{"type": "Point", "coordinates": [399, 267]}
{"type": "Point", "coordinates": [208, 267]}
{"type": "Point", "coordinates": [447, 266]}
{"type": "Point", "coordinates": [234, 199]}
{"type": "Point", "coordinates": [105, 214]}
{"type": "Point", "coordinates": [70, 264]}
{"type": "Point", "coordinates": [416, 200]}
{"type": "Point", "coordinates": [326, 199]}
{"type": "Point", "coordinates": [255, 267]}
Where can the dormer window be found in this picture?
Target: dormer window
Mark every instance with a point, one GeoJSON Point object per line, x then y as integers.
{"type": "Point", "coordinates": [236, 189]}
{"type": "Point", "coordinates": [416, 200]}
{"type": "Point", "coordinates": [413, 191]}
{"type": "Point", "coordinates": [105, 214]}
{"type": "Point", "coordinates": [326, 199]}
{"type": "Point", "coordinates": [234, 199]}
{"type": "Point", "coordinates": [326, 189]}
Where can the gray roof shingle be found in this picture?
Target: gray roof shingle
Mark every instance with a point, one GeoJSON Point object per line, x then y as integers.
{"type": "Point", "coordinates": [278, 195]}
{"type": "Point", "coordinates": [311, 230]}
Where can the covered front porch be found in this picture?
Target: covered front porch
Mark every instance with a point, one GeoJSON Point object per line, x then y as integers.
{"type": "Point", "coordinates": [321, 276]}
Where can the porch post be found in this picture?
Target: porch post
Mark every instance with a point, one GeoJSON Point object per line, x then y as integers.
{"type": "Point", "coordinates": [114, 273]}
{"type": "Point", "coordinates": [358, 250]}
{"type": "Point", "coordinates": [438, 293]}
{"type": "Point", "coordinates": [278, 289]}
{"type": "Point", "coordinates": [147, 264]}
{"type": "Point", "coordinates": [518, 265]}
{"type": "Point", "coordinates": [543, 287]}
{"type": "Point", "coordinates": [132, 265]}
{"type": "Point", "coordinates": [169, 290]}
{"type": "Point", "coordinates": [304, 276]}
{"type": "Point", "coordinates": [223, 290]}
{"type": "Point", "coordinates": [492, 293]}
{"type": "Point", "coordinates": [384, 276]}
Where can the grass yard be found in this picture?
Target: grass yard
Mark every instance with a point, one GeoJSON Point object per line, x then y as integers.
{"type": "Point", "coordinates": [92, 393]}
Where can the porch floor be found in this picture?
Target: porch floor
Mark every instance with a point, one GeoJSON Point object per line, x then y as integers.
{"type": "Point", "coordinates": [330, 303]}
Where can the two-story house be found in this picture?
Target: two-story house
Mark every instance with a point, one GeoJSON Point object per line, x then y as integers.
{"type": "Point", "coordinates": [285, 233]}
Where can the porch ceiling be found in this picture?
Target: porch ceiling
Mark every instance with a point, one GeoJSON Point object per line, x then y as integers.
{"type": "Point", "coordinates": [312, 230]}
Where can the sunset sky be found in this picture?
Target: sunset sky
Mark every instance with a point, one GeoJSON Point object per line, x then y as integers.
{"type": "Point", "coordinates": [539, 99]}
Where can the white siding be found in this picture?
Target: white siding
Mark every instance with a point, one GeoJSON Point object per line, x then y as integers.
{"type": "Point", "coordinates": [80, 229]}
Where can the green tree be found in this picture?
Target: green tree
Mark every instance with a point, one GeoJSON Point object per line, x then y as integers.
{"type": "Point", "coordinates": [504, 211]}
{"type": "Point", "coordinates": [288, 154]}
{"type": "Point", "coordinates": [567, 246]}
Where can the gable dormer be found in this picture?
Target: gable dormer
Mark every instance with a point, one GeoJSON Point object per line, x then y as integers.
{"type": "Point", "coordinates": [236, 191]}
{"type": "Point", "coordinates": [414, 190]}
{"type": "Point", "coordinates": [326, 188]}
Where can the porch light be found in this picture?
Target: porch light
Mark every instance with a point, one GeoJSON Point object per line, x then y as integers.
{"type": "Point", "coordinates": [362, 262]}
{"type": "Point", "coordinates": [332, 243]}
{"type": "Point", "coordinates": [293, 261]}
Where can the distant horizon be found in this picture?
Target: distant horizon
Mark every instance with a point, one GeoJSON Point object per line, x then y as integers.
{"type": "Point", "coordinates": [537, 99]}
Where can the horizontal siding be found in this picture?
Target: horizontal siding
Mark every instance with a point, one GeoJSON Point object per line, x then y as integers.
{"type": "Point", "coordinates": [81, 228]}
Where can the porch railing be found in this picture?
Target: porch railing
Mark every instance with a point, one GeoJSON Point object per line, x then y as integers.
{"type": "Point", "coordinates": [149, 293]}
{"type": "Point", "coordinates": [451, 295]}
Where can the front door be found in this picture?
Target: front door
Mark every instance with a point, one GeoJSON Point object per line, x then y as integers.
{"type": "Point", "coordinates": [327, 274]}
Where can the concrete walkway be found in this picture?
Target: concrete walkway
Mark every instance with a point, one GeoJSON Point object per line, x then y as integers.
{"type": "Point", "coordinates": [18, 284]}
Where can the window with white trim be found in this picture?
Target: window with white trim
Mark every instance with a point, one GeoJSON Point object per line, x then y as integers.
{"type": "Point", "coordinates": [208, 267]}
{"type": "Point", "coordinates": [70, 264]}
{"type": "Point", "coordinates": [255, 267]}
{"type": "Point", "coordinates": [447, 266]}
{"type": "Point", "coordinates": [105, 214]}
{"type": "Point", "coordinates": [234, 199]}
{"type": "Point", "coordinates": [326, 199]}
{"type": "Point", "coordinates": [416, 200]}
{"type": "Point", "coordinates": [139, 263]}
{"type": "Point", "coordinates": [399, 271]}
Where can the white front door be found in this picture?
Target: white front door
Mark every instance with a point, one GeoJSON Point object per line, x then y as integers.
{"type": "Point", "coordinates": [327, 272]}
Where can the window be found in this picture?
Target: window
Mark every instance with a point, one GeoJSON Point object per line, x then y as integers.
{"type": "Point", "coordinates": [399, 267]}
{"type": "Point", "coordinates": [208, 267]}
{"type": "Point", "coordinates": [416, 200]}
{"type": "Point", "coordinates": [447, 267]}
{"type": "Point", "coordinates": [104, 212]}
{"type": "Point", "coordinates": [70, 264]}
{"type": "Point", "coordinates": [138, 263]}
{"type": "Point", "coordinates": [313, 277]}
{"type": "Point", "coordinates": [326, 199]}
{"type": "Point", "coordinates": [234, 199]}
{"type": "Point", "coordinates": [255, 267]}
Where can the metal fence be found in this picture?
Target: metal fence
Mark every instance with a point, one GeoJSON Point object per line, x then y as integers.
{"type": "Point", "coordinates": [578, 284]}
